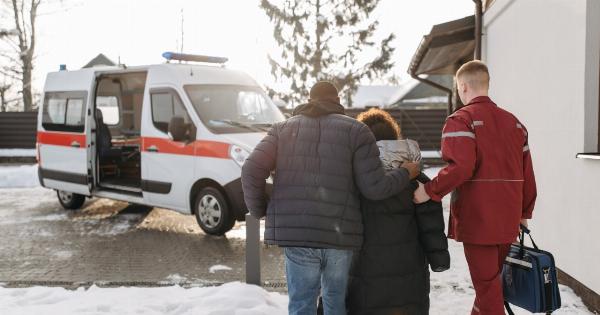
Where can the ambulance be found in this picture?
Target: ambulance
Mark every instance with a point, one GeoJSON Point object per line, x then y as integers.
{"type": "Point", "coordinates": [172, 135]}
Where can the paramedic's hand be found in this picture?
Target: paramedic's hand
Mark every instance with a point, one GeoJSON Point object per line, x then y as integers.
{"type": "Point", "coordinates": [525, 223]}
{"type": "Point", "coordinates": [414, 169]}
{"type": "Point", "coordinates": [421, 195]}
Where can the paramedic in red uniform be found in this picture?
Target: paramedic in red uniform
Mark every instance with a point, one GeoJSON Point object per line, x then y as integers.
{"type": "Point", "coordinates": [491, 178]}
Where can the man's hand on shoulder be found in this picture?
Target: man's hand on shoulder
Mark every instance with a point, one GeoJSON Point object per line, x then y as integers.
{"type": "Point", "coordinates": [413, 168]}
{"type": "Point", "coordinates": [421, 195]}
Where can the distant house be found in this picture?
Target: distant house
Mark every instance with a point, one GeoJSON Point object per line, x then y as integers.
{"type": "Point", "coordinates": [420, 95]}
{"type": "Point", "coordinates": [373, 95]}
{"type": "Point", "coordinates": [99, 61]}
{"type": "Point", "coordinates": [410, 93]}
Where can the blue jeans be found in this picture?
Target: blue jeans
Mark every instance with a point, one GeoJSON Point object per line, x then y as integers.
{"type": "Point", "coordinates": [311, 271]}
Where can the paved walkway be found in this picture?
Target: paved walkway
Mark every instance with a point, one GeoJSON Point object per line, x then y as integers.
{"type": "Point", "coordinates": [113, 243]}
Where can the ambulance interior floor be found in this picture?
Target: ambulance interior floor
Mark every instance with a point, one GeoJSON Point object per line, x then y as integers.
{"type": "Point", "coordinates": [111, 243]}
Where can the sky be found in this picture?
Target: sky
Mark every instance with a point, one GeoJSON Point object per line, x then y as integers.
{"type": "Point", "coordinates": [136, 32]}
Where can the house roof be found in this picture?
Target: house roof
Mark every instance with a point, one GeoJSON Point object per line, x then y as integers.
{"type": "Point", "coordinates": [447, 45]}
{"type": "Point", "coordinates": [100, 60]}
{"type": "Point", "coordinates": [403, 90]}
{"type": "Point", "coordinates": [373, 95]}
{"type": "Point", "coordinates": [415, 90]}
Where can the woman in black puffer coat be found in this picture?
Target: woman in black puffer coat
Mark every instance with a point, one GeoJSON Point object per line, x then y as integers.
{"type": "Point", "coordinates": [390, 274]}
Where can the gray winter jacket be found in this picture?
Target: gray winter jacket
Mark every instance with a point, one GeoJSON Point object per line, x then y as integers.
{"type": "Point", "coordinates": [322, 162]}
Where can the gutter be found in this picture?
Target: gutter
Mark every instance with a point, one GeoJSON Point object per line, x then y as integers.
{"type": "Point", "coordinates": [415, 65]}
{"type": "Point", "coordinates": [478, 28]}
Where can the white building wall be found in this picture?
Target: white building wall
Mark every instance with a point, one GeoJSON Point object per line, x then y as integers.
{"type": "Point", "coordinates": [544, 59]}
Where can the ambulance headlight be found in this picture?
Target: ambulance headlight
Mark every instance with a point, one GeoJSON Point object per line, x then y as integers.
{"type": "Point", "coordinates": [238, 155]}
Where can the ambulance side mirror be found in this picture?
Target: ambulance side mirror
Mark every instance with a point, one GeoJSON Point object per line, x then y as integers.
{"type": "Point", "coordinates": [177, 129]}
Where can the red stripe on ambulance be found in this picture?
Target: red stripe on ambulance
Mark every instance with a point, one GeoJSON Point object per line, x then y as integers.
{"type": "Point", "coordinates": [60, 138]}
{"type": "Point", "coordinates": [202, 148]}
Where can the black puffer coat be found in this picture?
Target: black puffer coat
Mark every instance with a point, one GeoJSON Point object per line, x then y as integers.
{"type": "Point", "coordinates": [390, 273]}
{"type": "Point", "coordinates": [323, 162]}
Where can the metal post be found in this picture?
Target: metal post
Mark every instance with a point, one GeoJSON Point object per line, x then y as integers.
{"type": "Point", "coordinates": [252, 250]}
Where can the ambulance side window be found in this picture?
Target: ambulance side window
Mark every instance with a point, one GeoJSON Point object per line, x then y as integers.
{"type": "Point", "coordinates": [166, 104]}
{"type": "Point", "coordinates": [64, 111]}
{"type": "Point", "coordinates": [109, 105]}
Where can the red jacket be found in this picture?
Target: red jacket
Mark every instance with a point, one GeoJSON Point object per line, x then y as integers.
{"type": "Point", "coordinates": [489, 172]}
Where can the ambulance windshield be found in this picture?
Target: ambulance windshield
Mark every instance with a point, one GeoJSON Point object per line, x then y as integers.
{"type": "Point", "coordinates": [233, 108]}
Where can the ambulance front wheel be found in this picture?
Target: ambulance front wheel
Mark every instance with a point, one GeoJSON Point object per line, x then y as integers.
{"type": "Point", "coordinates": [213, 212]}
{"type": "Point", "coordinates": [69, 200]}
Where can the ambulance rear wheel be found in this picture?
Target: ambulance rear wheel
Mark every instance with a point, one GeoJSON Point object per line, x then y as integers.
{"type": "Point", "coordinates": [212, 212]}
{"type": "Point", "coordinates": [69, 200]}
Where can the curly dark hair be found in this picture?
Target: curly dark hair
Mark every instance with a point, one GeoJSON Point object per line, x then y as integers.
{"type": "Point", "coordinates": [381, 123]}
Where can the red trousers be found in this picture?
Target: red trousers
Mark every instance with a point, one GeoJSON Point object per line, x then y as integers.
{"type": "Point", "coordinates": [485, 265]}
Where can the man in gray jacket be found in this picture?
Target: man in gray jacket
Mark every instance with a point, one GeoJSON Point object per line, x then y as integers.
{"type": "Point", "coordinates": [322, 161]}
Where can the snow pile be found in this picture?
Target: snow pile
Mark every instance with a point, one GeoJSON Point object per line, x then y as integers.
{"type": "Point", "coordinates": [175, 279]}
{"type": "Point", "coordinates": [239, 231]}
{"type": "Point", "coordinates": [17, 152]}
{"type": "Point", "coordinates": [230, 298]}
{"type": "Point", "coordinates": [216, 268]}
{"type": "Point", "coordinates": [19, 176]}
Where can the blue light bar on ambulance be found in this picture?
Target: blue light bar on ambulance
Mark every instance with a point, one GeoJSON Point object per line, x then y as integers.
{"type": "Point", "coordinates": [198, 58]}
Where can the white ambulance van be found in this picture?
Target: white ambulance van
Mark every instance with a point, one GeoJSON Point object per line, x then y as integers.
{"type": "Point", "coordinates": [171, 135]}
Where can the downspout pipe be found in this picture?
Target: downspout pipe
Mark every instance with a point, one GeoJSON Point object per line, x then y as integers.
{"type": "Point", "coordinates": [478, 28]}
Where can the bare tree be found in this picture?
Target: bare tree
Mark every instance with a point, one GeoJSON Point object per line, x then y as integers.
{"type": "Point", "coordinates": [3, 96]}
{"type": "Point", "coordinates": [21, 46]}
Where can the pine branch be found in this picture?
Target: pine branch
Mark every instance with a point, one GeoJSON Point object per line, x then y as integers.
{"type": "Point", "coordinates": [308, 34]}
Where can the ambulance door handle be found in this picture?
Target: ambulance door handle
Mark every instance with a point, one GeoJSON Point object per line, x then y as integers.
{"type": "Point", "coordinates": [152, 148]}
{"type": "Point", "coordinates": [75, 144]}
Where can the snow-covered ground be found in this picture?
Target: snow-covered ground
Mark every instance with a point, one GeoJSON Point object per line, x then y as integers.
{"type": "Point", "coordinates": [230, 298]}
{"type": "Point", "coordinates": [17, 152]}
{"type": "Point", "coordinates": [18, 176]}
{"type": "Point", "coordinates": [451, 291]}
{"type": "Point", "coordinates": [240, 230]}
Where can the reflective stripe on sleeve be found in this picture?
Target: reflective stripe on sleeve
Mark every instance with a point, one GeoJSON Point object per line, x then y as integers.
{"type": "Point", "coordinates": [458, 134]}
{"type": "Point", "coordinates": [519, 126]}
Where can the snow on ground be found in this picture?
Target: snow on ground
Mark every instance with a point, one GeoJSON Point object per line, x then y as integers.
{"type": "Point", "coordinates": [431, 154]}
{"type": "Point", "coordinates": [230, 298]}
{"type": "Point", "coordinates": [14, 200]}
{"type": "Point", "coordinates": [18, 176]}
{"type": "Point", "coordinates": [216, 268]}
{"type": "Point", "coordinates": [17, 152]}
{"type": "Point", "coordinates": [175, 278]}
{"type": "Point", "coordinates": [239, 231]}
{"type": "Point", "coordinates": [451, 291]}
{"type": "Point", "coordinates": [18, 186]}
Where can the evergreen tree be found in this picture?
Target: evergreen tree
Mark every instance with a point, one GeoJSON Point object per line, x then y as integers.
{"type": "Point", "coordinates": [324, 40]}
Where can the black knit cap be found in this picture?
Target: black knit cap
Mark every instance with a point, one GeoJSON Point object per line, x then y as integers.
{"type": "Point", "coordinates": [323, 90]}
